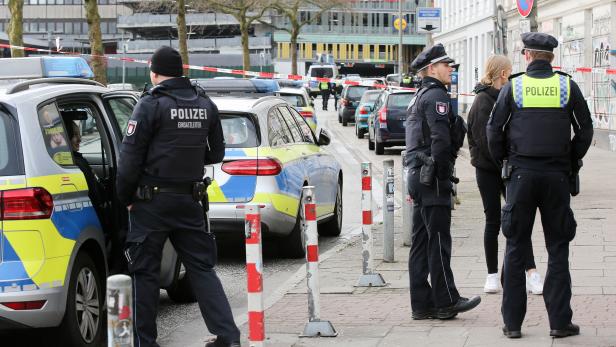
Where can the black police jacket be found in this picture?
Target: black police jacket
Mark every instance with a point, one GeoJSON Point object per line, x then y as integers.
{"type": "Point", "coordinates": [428, 127]}
{"type": "Point", "coordinates": [173, 132]}
{"type": "Point", "coordinates": [477, 120]}
{"type": "Point", "coordinates": [499, 137]}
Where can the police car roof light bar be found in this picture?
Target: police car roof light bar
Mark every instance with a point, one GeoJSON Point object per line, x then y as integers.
{"type": "Point", "coordinates": [45, 67]}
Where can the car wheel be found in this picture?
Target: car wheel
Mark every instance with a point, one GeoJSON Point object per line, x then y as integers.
{"type": "Point", "coordinates": [333, 227]}
{"type": "Point", "coordinates": [293, 246]}
{"type": "Point", "coordinates": [82, 324]}
{"type": "Point", "coordinates": [359, 132]}
{"type": "Point", "coordinates": [181, 290]}
{"type": "Point", "coordinates": [379, 147]}
{"type": "Point", "coordinates": [344, 122]}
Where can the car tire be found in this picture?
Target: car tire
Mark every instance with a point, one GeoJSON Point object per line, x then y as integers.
{"type": "Point", "coordinates": [293, 246]}
{"type": "Point", "coordinates": [181, 290]}
{"type": "Point", "coordinates": [333, 227]}
{"type": "Point", "coordinates": [86, 287]}
{"type": "Point", "coordinates": [359, 132]}
{"type": "Point", "coordinates": [379, 147]}
{"type": "Point", "coordinates": [344, 122]}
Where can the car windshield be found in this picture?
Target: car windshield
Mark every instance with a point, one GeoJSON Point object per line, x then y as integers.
{"type": "Point", "coordinates": [321, 72]}
{"type": "Point", "coordinates": [294, 100]}
{"type": "Point", "coordinates": [356, 92]}
{"type": "Point", "coordinates": [239, 131]}
{"type": "Point", "coordinates": [400, 100]}
{"type": "Point", "coordinates": [369, 97]}
{"type": "Point", "coordinates": [9, 157]}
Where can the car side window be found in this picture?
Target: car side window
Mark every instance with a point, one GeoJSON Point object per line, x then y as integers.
{"type": "Point", "coordinates": [54, 134]}
{"type": "Point", "coordinates": [288, 118]}
{"type": "Point", "coordinates": [278, 132]}
{"type": "Point", "coordinates": [122, 109]}
{"type": "Point", "coordinates": [303, 126]}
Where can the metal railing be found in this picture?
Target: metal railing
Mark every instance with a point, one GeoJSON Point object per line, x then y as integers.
{"type": "Point", "coordinates": [139, 20]}
{"type": "Point", "coordinates": [198, 45]}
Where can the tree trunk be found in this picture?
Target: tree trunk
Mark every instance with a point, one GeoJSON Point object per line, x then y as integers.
{"type": "Point", "coordinates": [294, 35]}
{"type": "Point", "coordinates": [96, 42]}
{"type": "Point", "coordinates": [182, 37]}
{"type": "Point", "coordinates": [245, 47]}
{"type": "Point", "coordinates": [16, 7]}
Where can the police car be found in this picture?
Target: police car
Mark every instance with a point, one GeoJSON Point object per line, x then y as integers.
{"type": "Point", "coordinates": [271, 153]}
{"type": "Point", "coordinates": [299, 99]}
{"type": "Point", "coordinates": [59, 235]}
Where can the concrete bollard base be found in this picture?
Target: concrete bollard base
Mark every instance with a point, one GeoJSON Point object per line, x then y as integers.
{"type": "Point", "coordinates": [371, 280]}
{"type": "Point", "coordinates": [319, 328]}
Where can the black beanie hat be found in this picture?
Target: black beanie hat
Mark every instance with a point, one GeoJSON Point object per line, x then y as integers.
{"type": "Point", "coordinates": [167, 61]}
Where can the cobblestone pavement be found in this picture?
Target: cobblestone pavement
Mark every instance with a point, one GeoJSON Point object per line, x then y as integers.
{"type": "Point", "coordinates": [381, 316]}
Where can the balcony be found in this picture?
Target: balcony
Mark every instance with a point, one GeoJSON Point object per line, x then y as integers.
{"type": "Point", "coordinates": [199, 45]}
{"type": "Point", "coordinates": [148, 20]}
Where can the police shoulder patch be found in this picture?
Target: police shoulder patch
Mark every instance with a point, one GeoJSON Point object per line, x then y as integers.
{"type": "Point", "coordinates": [442, 108]}
{"type": "Point", "coordinates": [131, 128]}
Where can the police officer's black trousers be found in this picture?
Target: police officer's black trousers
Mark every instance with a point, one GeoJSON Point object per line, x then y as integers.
{"type": "Point", "coordinates": [151, 223]}
{"type": "Point", "coordinates": [528, 190]}
{"type": "Point", "coordinates": [491, 188]}
{"type": "Point", "coordinates": [431, 255]}
{"type": "Point", "coordinates": [325, 96]}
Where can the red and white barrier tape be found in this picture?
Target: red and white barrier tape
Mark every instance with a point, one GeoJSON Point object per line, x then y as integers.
{"type": "Point", "coordinates": [254, 275]}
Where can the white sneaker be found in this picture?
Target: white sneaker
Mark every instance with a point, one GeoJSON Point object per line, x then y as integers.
{"type": "Point", "coordinates": [492, 284]}
{"type": "Point", "coordinates": [534, 283]}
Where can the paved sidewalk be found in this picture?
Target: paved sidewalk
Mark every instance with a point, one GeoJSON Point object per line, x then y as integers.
{"type": "Point", "coordinates": [381, 316]}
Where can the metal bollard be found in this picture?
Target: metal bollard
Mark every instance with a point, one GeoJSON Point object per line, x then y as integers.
{"type": "Point", "coordinates": [119, 311]}
{"type": "Point", "coordinates": [368, 277]}
{"type": "Point", "coordinates": [254, 275]}
{"type": "Point", "coordinates": [407, 206]}
{"type": "Point", "coordinates": [388, 211]}
{"type": "Point", "coordinates": [315, 326]}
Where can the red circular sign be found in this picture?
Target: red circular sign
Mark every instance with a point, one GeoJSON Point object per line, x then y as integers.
{"type": "Point", "coordinates": [524, 7]}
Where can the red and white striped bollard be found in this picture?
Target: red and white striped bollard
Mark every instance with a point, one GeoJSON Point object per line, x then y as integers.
{"type": "Point", "coordinates": [254, 274]}
{"type": "Point", "coordinates": [368, 278]}
{"type": "Point", "coordinates": [315, 326]}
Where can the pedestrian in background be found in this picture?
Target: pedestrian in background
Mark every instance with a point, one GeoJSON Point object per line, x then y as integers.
{"type": "Point", "coordinates": [160, 180]}
{"type": "Point", "coordinates": [433, 137]}
{"type": "Point", "coordinates": [337, 91]}
{"type": "Point", "coordinates": [326, 89]}
{"type": "Point", "coordinates": [529, 135]}
{"type": "Point", "coordinates": [488, 173]}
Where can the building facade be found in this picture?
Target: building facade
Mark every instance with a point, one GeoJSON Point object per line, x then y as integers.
{"type": "Point", "coordinates": [361, 38]}
{"type": "Point", "coordinates": [46, 20]}
{"type": "Point", "coordinates": [468, 37]}
{"type": "Point", "coordinates": [149, 26]}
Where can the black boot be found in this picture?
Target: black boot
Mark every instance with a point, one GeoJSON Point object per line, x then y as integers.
{"type": "Point", "coordinates": [570, 330]}
{"type": "Point", "coordinates": [462, 305]}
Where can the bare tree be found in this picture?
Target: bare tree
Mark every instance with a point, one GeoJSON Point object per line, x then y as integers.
{"type": "Point", "coordinates": [181, 21]}
{"type": "Point", "coordinates": [15, 30]}
{"type": "Point", "coordinates": [96, 42]}
{"type": "Point", "coordinates": [246, 12]}
{"type": "Point", "coordinates": [291, 10]}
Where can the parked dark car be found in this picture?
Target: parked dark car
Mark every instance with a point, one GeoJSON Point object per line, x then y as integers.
{"type": "Point", "coordinates": [386, 122]}
{"type": "Point", "coordinates": [349, 101]}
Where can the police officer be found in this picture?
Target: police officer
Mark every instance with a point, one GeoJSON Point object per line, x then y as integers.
{"type": "Point", "coordinates": [529, 134]}
{"type": "Point", "coordinates": [174, 131]}
{"type": "Point", "coordinates": [406, 81]}
{"type": "Point", "coordinates": [433, 138]}
{"type": "Point", "coordinates": [325, 88]}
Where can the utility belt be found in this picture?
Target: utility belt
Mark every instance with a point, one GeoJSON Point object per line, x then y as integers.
{"type": "Point", "coordinates": [427, 173]}
{"type": "Point", "coordinates": [198, 190]}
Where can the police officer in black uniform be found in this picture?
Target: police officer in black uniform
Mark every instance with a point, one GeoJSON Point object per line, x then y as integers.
{"type": "Point", "coordinates": [433, 137]}
{"type": "Point", "coordinates": [529, 134]}
{"type": "Point", "coordinates": [174, 131]}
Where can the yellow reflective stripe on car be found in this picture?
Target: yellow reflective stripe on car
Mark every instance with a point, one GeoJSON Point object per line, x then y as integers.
{"type": "Point", "coordinates": [57, 184]}
{"type": "Point", "coordinates": [280, 202]}
{"type": "Point", "coordinates": [215, 194]}
{"type": "Point", "coordinates": [43, 252]}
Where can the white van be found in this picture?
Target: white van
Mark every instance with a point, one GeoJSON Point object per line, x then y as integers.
{"type": "Point", "coordinates": [320, 71]}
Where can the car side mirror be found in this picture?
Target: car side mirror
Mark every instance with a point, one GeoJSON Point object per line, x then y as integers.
{"type": "Point", "coordinates": [324, 138]}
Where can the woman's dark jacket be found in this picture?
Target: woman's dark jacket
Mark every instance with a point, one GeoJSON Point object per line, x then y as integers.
{"type": "Point", "coordinates": [477, 120]}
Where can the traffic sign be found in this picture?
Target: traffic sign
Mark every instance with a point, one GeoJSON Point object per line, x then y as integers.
{"type": "Point", "coordinates": [397, 24]}
{"type": "Point", "coordinates": [524, 7]}
{"type": "Point", "coordinates": [428, 20]}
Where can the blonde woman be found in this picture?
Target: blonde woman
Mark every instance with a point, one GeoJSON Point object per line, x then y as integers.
{"type": "Point", "coordinates": [491, 186]}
